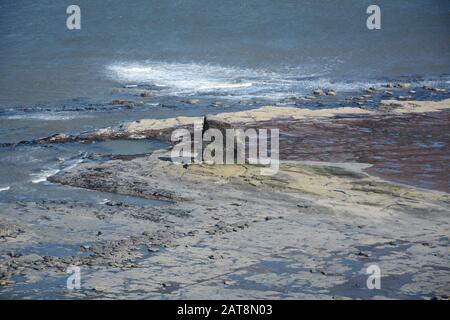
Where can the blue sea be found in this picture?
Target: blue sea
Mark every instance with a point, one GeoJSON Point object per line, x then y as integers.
{"type": "Point", "coordinates": [229, 49]}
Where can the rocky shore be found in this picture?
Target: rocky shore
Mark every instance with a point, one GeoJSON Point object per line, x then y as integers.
{"type": "Point", "coordinates": [226, 232]}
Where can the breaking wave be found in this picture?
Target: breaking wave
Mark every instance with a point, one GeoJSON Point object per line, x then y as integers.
{"type": "Point", "coordinates": [180, 79]}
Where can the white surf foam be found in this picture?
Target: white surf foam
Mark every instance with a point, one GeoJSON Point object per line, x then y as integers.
{"type": "Point", "coordinates": [5, 188]}
{"type": "Point", "coordinates": [47, 116]}
{"type": "Point", "coordinates": [228, 82]}
{"type": "Point", "coordinates": [43, 175]}
{"type": "Point", "coordinates": [184, 77]}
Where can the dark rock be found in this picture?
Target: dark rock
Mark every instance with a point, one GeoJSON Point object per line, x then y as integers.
{"type": "Point", "coordinates": [318, 92]}
{"type": "Point", "coordinates": [192, 101]}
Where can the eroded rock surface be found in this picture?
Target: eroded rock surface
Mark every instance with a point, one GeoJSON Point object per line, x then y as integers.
{"type": "Point", "coordinates": [309, 231]}
{"type": "Point", "coordinates": [227, 232]}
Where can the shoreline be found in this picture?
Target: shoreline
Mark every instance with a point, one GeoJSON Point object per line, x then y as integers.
{"type": "Point", "coordinates": [312, 132]}
{"type": "Point", "coordinates": [225, 231]}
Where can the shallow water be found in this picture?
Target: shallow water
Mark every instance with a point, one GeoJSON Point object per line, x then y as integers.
{"type": "Point", "coordinates": [25, 169]}
{"type": "Point", "coordinates": [411, 149]}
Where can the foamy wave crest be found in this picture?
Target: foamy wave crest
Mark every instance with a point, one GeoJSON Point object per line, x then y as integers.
{"type": "Point", "coordinates": [43, 175]}
{"type": "Point", "coordinates": [227, 82]}
{"type": "Point", "coordinates": [4, 188]}
{"type": "Point", "coordinates": [47, 116]}
{"type": "Point", "coordinates": [184, 77]}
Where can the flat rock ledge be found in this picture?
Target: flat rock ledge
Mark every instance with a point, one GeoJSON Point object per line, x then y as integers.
{"type": "Point", "coordinates": [163, 128]}
{"type": "Point", "coordinates": [309, 231]}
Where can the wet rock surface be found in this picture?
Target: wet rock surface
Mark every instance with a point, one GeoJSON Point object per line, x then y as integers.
{"type": "Point", "coordinates": [308, 232]}
{"type": "Point", "coordinates": [410, 148]}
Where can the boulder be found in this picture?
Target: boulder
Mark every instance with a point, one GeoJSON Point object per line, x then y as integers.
{"type": "Point", "coordinates": [318, 92]}
{"type": "Point", "coordinates": [192, 101]}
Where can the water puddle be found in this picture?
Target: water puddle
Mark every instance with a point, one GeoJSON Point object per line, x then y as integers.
{"type": "Point", "coordinates": [24, 170]}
